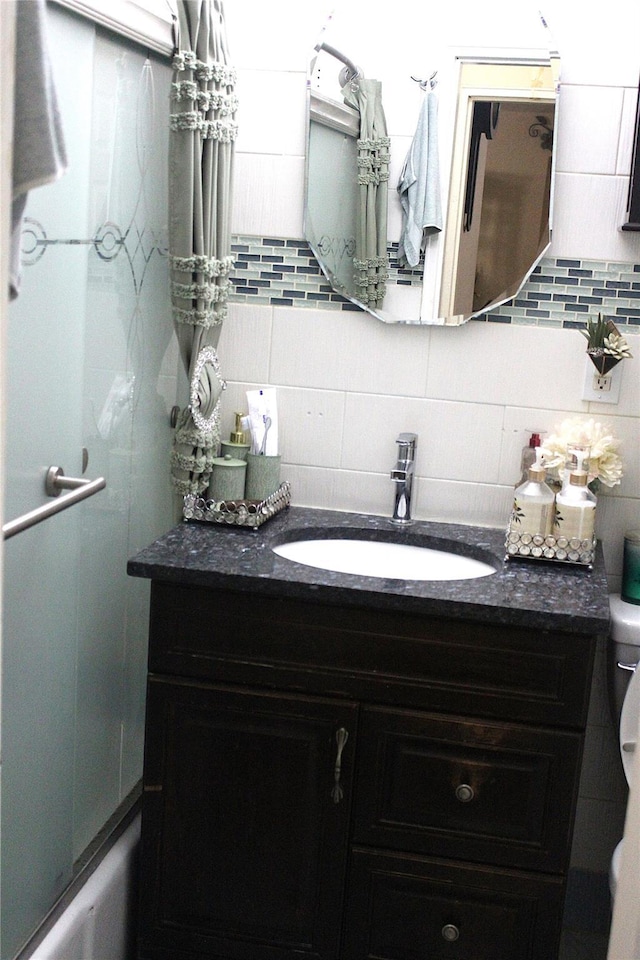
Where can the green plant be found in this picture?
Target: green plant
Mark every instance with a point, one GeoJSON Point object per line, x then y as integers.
{"type": "Point", "coordinates": [604, 338]}
{"type": "Point", "coordinates": [605, 344]}
{"type": "Point", "coordinates": [595, 332]}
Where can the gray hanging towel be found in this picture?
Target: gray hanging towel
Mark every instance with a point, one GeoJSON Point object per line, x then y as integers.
{"type": "Point", "coordinates": [419, 185]}
{"type": "Point", "coordinates": [39, 155]}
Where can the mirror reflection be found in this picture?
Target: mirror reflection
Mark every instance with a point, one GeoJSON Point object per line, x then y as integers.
{"type": "Point", "coordinates": [439, 210]}
{"type": "Point", "coordinates": [498, 223]}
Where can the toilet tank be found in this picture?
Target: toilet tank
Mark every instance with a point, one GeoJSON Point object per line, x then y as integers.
{"type": "Point", "coordinates": [623, 648]}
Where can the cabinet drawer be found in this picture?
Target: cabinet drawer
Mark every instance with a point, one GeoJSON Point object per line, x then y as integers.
{"type": "Point", "coordinates": [430, 663]}
{"type": "Point", "coordinates": [495, 792]}
{"type": "Point", "coordinates": [400, 908]}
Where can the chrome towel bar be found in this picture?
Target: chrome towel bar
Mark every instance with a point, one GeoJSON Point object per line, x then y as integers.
{"type": "Point", "coordinates": [55, 483]}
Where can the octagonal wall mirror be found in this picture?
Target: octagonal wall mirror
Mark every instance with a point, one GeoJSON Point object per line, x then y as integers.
{"type": "Point", "coordinates": [492, 74]}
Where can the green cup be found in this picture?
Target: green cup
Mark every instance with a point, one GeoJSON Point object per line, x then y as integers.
{"type": "Point", "coordinates": [263, 476]}
{"type": "Point", "coordinates": [630, 591]}
{"type": "Point", "coordinates": [227, 479]}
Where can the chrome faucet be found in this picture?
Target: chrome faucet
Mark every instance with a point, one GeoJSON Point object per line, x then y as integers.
{"type": "Point", "coordinates": [402, 476]}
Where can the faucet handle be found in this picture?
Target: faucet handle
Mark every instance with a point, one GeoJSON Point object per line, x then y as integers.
{"type": "Point", "coordinates": [407, 443]}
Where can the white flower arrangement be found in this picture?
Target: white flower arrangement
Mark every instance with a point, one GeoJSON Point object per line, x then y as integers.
{"type": "Point", "coordinates": [604, 463]}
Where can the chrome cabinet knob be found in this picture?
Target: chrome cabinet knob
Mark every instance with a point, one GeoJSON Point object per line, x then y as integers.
{"type": "Point", "coordinates": [450, 932]}
{"type": "Point", "coordinates": [464, 793]}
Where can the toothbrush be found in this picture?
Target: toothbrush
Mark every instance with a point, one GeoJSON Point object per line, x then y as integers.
{"type": "Point", "coordinates": [267, 423]}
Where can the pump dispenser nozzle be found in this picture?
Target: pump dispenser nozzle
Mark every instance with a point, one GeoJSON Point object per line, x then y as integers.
{"type": "Point", "coordinates": [236, 447]}
{"type": "Point", "coordinates": [578, 475]}
{"type": "Point", "coordinates": [537, 471]}
{"type": "Point", "coordinates": [238, 435]}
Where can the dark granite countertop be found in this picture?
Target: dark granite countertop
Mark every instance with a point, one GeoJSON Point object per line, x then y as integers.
{"type": "Point", "coordinates": [526, 593]}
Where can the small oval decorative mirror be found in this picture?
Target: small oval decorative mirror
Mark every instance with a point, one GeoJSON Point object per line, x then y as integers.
{"type": "Point", "coordinates": [475, 118]}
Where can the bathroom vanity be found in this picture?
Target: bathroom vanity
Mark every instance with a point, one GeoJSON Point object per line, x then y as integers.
{"type": "Point", "coordinates": [341, 767]}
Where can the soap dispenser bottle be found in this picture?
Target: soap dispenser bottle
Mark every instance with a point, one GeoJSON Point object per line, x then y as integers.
{"type": "Point", "coordinates": [533, 503]}
{"type": "Point", "coordinates": [528, 458]}
{"type": "Point", "coordinates": [575, 514]}
{"type": "Point", "coordinates": [237, 446]}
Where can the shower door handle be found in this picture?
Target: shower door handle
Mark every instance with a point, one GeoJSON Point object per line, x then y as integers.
{"type": "Point", "coordinates": [55, 483]}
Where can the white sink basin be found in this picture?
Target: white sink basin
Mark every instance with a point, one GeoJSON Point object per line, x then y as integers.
{"type": "Point", "coordinates": [374, 558]}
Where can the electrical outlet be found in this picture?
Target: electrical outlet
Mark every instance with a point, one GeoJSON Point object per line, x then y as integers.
{"type": "Point", "coordinates": [601, 389]}
{"type": "Point", "coordinates": [602, 384]}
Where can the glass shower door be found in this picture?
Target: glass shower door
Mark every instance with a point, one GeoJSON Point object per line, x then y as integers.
{"type": "Point", "coordinates": [91, 376]}
{"type": "Point", "coordinates": [45, 350]}
{"type": "Point", "coordinates": [40, 603]}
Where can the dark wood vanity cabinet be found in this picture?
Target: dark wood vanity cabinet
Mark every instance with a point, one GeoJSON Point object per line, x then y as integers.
{"type": "Point", "coordinates": [339, 783]}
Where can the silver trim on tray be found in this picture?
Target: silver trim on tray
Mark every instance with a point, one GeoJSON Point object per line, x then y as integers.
{"type": "Point", "coordinates": [237, 513]}
{"type": "Point", "coordinates": [537, 546]}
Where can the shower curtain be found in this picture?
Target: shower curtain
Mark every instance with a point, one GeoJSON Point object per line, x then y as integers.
{"type": "Point", "coordinates": [371, 261]}
{"type": "Point", "coordinates": [201, 147]}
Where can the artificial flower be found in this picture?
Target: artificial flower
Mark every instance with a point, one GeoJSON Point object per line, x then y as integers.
{"type": "Point", "coordinates": [616, 346]}
{"type": "Point", "coordinates": [604, 463]}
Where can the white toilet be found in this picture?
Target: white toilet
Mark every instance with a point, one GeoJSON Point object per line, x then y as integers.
{"type": "Point", "coordinates": [625, 692]}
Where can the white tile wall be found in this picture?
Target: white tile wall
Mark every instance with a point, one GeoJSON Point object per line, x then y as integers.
{"type": "Point", "coordinates": [313, 424]}
{"type": "Point", "coordinates": [263, 129]}
{"type": "Point", "coordinates": [349, 352]}
{"type": "Point", "coordinates": [347, 384]}
{"type": "Point", "coordinates": [627, 126]}
{"type": "Point", "coordinates": [597, 43]}
{"type": "Point", "coordinates": [268, 195]}
{"type": "Point", "coordinates": [579, 151]}
{"type": "Point", "coordinates": [588, 212]}
{"type": "Point", "coordinates": [275, 36]}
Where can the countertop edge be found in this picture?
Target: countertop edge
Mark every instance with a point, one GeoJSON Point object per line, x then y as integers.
{"type": "Point", "coordinates": [368, 599]}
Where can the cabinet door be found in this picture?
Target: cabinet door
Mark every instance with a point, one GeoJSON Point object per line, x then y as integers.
{"type": "Point", "coordinates": [415, 908]}
{"type": "Point", "coordinates": [245, 818]}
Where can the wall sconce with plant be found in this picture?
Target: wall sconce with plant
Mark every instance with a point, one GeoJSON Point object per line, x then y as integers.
{"type": "Point", "coordinates": [605, 344]}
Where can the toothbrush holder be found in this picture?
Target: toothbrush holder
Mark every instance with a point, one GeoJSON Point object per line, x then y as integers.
{"type": "Point", "coordinates": [263, 476]}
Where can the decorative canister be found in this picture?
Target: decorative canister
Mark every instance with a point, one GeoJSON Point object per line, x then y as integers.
{"type": "Point", "coordinates": [238, 451]}
{"type": "Point", "coordinates": [227, 479]}
{"type": "Point", "coordinates": [631, 567]}
{"type": "Point", "coordinates": [263, 476]}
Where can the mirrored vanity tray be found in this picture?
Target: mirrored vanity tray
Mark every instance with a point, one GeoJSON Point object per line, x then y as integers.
{"type": "Point", "coordinates": [528, 546]}
{"type": "Point", "coordinates": [239, 513]}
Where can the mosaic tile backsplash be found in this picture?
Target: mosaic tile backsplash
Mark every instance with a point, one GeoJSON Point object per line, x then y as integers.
{"type": "Point", "coordinates": [560, 292]}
